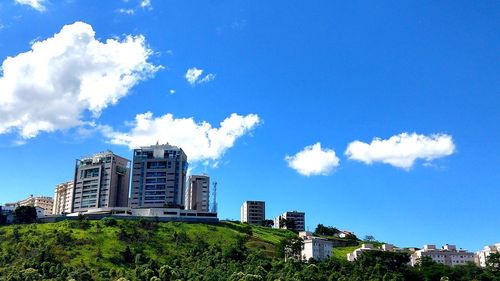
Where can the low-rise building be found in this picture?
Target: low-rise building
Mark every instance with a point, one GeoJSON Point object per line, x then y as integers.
{"type": "Point", "coordinates": [369, 247]}
{"type": "Point", "coordinates": [292, 220]}
{"type": "Point", "coordinates": [481, 257]}
{"type": "Point", "coordinates": [44, 202]}
{"type": "Point", "coordinates": [253, 212]}
{"type": "Point", "coordinates": [317, 248]}
{"type": "Point", "coordinates": [448, 255]}
{"type": "Point", "coordinates": [63, 198]}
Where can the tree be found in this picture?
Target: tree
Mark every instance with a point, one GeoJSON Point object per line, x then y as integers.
{"type": "Point", "coordinates": [493, 262]}
{"type": "Point", "coordinates": [326, 230]}
{"type": "Point", "coordinates": [127, 255]}
{"type": "Point", "coordinates": [3, 219]}
{"type": "Point", "coordinates": [369, 238]}
{"type": "Point", "coordinates": [268, 223]}
{"type": "Point", "coordinates": [25, 214]}
{"type": "Point", "coordinates": [291, 247]}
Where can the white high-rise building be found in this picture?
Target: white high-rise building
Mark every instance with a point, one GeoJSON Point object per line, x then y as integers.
{"type": "Point", "coordinates": [298, 219]}
{"type": "Point", "coordinates": [101, 181]}
{"type": "Point", "coordinates": [158, 177]}
{"type": "Point", "coordinates": [63, 198]}
{"type": "Point", "coordinates": [253, 212]}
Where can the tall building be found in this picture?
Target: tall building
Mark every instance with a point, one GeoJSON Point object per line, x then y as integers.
{"type": "Point", "coordinates": [158, 177]}
{"type": "Point", "coordinates": [482, 256]}
{"type": "Point", "coordinates": [448, 255]}
{"type": "Point", "coordinates": [253, 212]}
{"type": "Point", "coordinates": [292, 220]}
{"type": "Point", "coordinates": [63, 198]}
{"type": "Point", "coordinates": [43, 202]}
{"type": "Point", "coordinates": [101, 181]}
{"type": "Point", "coordinates": [198, 193]}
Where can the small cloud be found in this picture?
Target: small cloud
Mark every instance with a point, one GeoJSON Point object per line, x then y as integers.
{"type": "Point", "coordinates": [194, 76]}
{"type": "Point", "coordinates": [402, 150]}
{"type": "Point", "coordinates": [313, 161]}
{"type": "Point", "coordinates": [35, 4]}
{"type": "Point", "coordinates": [171, 91]}
{"type": "Point", "coordinates": [146, 4]}
{"type": "Point", "coordinates": [126, 11]}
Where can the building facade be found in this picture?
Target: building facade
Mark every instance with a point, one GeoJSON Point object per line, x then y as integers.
{"type": "Point", "coordinates": [158, 177]}
{"type": "Point", "coordinates": [101, 181]}
{"type": "Point", "coordinates": [44, 203]}
{"type": "Point", "coordinates": [63, 198]}
{"type": "Point", "coordinates": [198, 193]}
{"type": "Point", "coordinates": [284, 220]}
{"type": "Point", "coordinates": [369, 247]}
{"type": "Point", "coordinates": [481, 257]}
{"type": "Point", "coordinates": [316, 248]}
{"type": "Point", "coordinates": [253, 212]}
{"type": "Point", "coordinates": [448, 255]}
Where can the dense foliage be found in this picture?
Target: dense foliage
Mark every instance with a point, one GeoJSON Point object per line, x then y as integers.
{"type": "Point", "coordinates": [145, 250]}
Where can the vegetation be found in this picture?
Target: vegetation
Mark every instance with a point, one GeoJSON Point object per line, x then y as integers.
{"type": "Point", "coordinates": [112, 249]}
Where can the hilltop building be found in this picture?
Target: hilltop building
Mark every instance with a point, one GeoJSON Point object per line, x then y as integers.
{"type": "Point", "coordinates": [253, 212]}
{"type": "Point", "coordinates": [158, 177]}
{"type": "Point", "coordinates": [292, 220]}
{"type": "Point", "coordinates": [101, 180]}
{"type": "Point", "coordinates": [44, 203]}
{"type": "Point", "coordinates": [448, 255]}
{"type": "Point", "coordinates": [316, 248]}
{"type": "Point", "coordinates": [482, 256]}
{"type": "Point", "coordinates": [369, 247]}
{"type": "Point", "coordinates": [198, 193]}
{"type": "Point", "coordinates": [63, 198]}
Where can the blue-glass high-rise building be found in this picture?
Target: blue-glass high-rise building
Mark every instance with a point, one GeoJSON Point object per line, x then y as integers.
{"type": "Point", "coordinates": [158, 177]}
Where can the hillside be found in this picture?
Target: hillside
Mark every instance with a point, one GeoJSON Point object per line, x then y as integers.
{"type": "Point", "coordinates": [144, 250]}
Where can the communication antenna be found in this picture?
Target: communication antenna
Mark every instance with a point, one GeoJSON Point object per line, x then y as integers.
{"type": "Point", "coordinates": [214, 206]}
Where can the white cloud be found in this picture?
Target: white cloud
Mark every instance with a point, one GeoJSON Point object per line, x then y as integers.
{"type": "Point", "coordinates": [172, 91]}
{"type": "Point", "coordinates": [146, 4]}
{"type": "Point", "coordinates": [126, 11]}
{"type": "Point", "coordinates": [313, 161]}
{"type": "Point", "coordinates": [35, 4]}
{"type": "Point", "coordinates": [65, 77]}
{"type": "Point", "coordinates": [199, 140]}
{"type": "Point", "coordinates": [194, 76]}
{"type": "Point", "coordinates": [401, 150]}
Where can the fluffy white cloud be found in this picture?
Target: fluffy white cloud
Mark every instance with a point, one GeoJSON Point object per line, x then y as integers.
{"type": "Point", "coordinates": [199, 140]}
{"type": "Point", "coordinates": [65, 77]}
{"type": "Point", "coordinates": [35, 4]}
{"type": "Point", "coordinates": [401, 150]}
{"type": "Point", "coordinates": [194, 76]}
{"type": "Point", "coordinates": [313, 161]}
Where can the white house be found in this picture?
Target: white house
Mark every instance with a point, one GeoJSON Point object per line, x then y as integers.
{"type": "Point", "coordinates": [315, 247]}
{"type": "Point", "coordinates": [448, 255]}
{"type": "Point", "coordinates": [482, 256]}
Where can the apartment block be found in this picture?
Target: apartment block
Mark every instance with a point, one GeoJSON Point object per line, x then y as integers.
{"type": "Point", "coordinates": [253, 212]}
{"type": "Point", "coordinates": [101, 180]}
{"type": "Point", "coordinates": [317, 248]}
{"type": "Point", "coordinates": [198, 193]}
{"type": "Point", "coordinates": [63, 198]}
{"type": "Point", "coordinates": [448, 255]}
{"type": "Point", "coordinates": [481, 257]}
{"type": "Point", "coordinates": [159, 177]}
{"type": "Point", "coordinates": [292, 220]}
{"type": "Point", "coordinates": [44, 203]}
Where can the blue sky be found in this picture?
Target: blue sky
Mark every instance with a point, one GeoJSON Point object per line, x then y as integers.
{"type": "Point", "coordinates": [380, 118]}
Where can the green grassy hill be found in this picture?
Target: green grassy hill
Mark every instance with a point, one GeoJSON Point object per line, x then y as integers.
{"type": "Point", "coordinates": [121, 250]}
